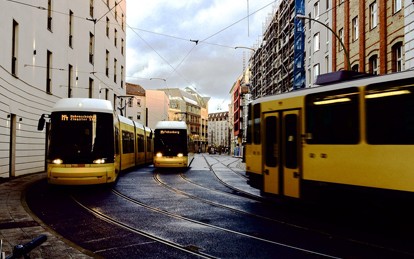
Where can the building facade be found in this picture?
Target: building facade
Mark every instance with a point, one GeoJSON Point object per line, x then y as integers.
{"type": "Point", "coordinates": [50, 50]}
{"type": "Point", "coordinates": [136, 108]}
{"type": "Point", "coordinates": [219, 136]}
{"type": "Point", "coordinates": [373, 33]}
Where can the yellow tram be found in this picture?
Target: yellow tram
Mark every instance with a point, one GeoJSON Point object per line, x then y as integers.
{"type": "Point", "coordinates": [89, 144]}
{"type": "Point", "coordinates": [173, 146]}
{"type": "Point", "coordinates": [356, 135]}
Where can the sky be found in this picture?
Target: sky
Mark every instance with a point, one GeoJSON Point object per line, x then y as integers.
{"type": "Point", "coordinates": [191, 43]}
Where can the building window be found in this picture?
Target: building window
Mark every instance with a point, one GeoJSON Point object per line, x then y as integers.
{"type": "Point", "coordinates": [107, 63]}
{"type": "Point", "coordinates": [49, 72]}
{"type": "Point", "coordinates": [91, 8]}
{"type": "Point", "coordinates": [373, 64]}
{"type": "Point", "coordinates": [341, 37]}
{"type": "Point", "coordinates": [122, 46]}
{"type": "Point", "coordinates": [15, 41]}
{"type": "Point", "coordinates": [107, 27]}
{"type": "Point", "coordinates": [355, 68]}
{"type": "Point", "coordinates": [122, 76]}
{"type": "Point", "coordinates": [49, 15]}
{"type": "Point", "coordinates": [115, 64]}
{"type": "Point", "coordinates": [355, 28]}
{"type": "Point", "coordinates": [91, 47]}
{"type": "Point", "coordinates": [397, 57]}
{"type": "Point", "coordinates": [316, 10]}
{"type": "Point", "coordinates": [327, 36]}
{"type": "Point", "coordinates": [316, 42]}
{"type": "Point", "coordinates": [316, 71]}
{"type": "Point", "coordinates": [116, 11]}
{"type": "Point", "coordinates": [138, 116]}
{"type": "Point", "coordinates": [70, 81]}
{"type": "Point", "coordinates": [70, 28]}
{"type": "Point", "coordinates": [138, 102]}
{"type": "Point", "coordinates": [90, 88]}
{"type": "Point", "coordinates": [397, 5]}
{"type": "Point", "coordinates": [115, 37]}
{"type": "Point", "coordinates": [373, 15]}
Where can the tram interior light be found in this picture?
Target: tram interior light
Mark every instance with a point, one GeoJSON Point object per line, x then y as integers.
{"type": "Point", "coordinates": [57, 161]}
{"type": "Point", "coordinates": [159, 154]}
{"type": "Point", "coordinates": [387, 94]}
{"type": "Point", "coordinates": [331, 101]}
{"type": "Point", "coordinates": [99, 161]}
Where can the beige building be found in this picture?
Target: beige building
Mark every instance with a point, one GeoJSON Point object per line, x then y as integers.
{"type": "Point", "coordinates": [51, 50]}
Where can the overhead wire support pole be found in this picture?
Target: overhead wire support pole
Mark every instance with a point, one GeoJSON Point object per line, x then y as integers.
{"type": "Point", "coordinates": [302, 17]}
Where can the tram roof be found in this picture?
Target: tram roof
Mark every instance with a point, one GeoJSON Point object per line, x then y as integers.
{"type": "Point", "coordinates": [171, 125]}
{"type": "Point", "coordinates": [340, 85]}
{"type": "Point", "coordinates": [83, 104]}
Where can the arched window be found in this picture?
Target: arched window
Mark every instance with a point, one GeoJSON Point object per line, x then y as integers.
{"type": "Point", "coordinates": [373, 64]}
{"type": "Point", "coordinates": [397, 57]}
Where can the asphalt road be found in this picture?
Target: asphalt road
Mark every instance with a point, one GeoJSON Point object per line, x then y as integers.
{"type": "Point", "coordinates": [209, 211]}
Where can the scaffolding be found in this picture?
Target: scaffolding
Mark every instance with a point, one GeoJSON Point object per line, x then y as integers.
{"type": "Point", "coordinates": [272, 63]}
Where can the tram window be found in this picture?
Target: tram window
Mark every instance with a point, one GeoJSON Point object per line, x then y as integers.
{"type": "Point", "coordinates": [333, 117]}
{"type": "Point", "coordinates": [256, 124]}
{"type": "Point", "coordinates": [271, 141]}
{"type": "Point", "coordinates": [291, 141]}
{"type": "Point", "coordinates": [249, 125]}
{"type": "Point", "coordinates": [389, 112]}
{"type": "Point", "coordinates": [127, 142]}
{"type": "Point", "coordinates": [116, 141]}
{"type": "Point", "coordinates": [141, 143]}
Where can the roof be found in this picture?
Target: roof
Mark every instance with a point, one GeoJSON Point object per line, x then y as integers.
{"type": "Point", "coordinates": [83, 104]}
{"type": "Point", "coordinates": [133, 89]}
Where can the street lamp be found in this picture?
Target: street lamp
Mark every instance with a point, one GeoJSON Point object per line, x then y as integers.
{"type": "Point", "coordinates": [302, 17]}
{"type": "Point", "coordinates": [159, 78]}
{"type": "Point", "coordinates": [240, 47]}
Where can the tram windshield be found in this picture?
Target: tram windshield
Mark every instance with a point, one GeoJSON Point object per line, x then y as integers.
{"type": "Point", "coordinates": [170, 142]}
{"type": "Point", "coordinates": [81, 138]}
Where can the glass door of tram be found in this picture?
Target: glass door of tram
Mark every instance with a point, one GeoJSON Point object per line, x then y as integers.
{"type": "Point", "coordinates": [281, 153]}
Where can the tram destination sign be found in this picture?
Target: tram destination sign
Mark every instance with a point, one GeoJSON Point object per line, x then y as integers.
{"type": "Point", "coordinates": [78, 117]}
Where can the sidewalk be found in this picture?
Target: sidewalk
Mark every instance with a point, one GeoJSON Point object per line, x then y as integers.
{"type": "Point", "coordinates": [19, 226]}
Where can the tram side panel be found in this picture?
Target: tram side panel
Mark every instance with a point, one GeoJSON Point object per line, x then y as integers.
{"type": "Point", "coordinates": [127, 144]}
{"type": "Point", "coordinates": [253, 147]}
{"type": "Point", "coordinates": [363, 140]}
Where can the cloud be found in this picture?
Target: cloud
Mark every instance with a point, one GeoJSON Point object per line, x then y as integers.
{"type": "Point", "coordinates": [161, 42]}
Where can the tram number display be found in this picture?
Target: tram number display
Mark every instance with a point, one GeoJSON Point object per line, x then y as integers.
{"type": "Point", "coordinates": [78, 117]}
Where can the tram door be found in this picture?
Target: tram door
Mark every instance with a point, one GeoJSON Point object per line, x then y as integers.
{"type": "Point", "coordinates": [281, 153]}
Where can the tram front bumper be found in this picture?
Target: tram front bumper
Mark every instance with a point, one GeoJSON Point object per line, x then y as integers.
{"type": "Point", "coordinates": [79, 175]}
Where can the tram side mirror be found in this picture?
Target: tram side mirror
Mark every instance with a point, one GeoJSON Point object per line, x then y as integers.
{"type": "Point", "coordinates": [42, 121]}
{"type": "Point", "coordinates": [150, 136]}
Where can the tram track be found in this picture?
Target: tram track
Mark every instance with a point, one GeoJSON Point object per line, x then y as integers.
{"type": "Point", "coordinates": [253, 197]}
{"type": "Point", "coordinates": [188, 249]}
{"type": "Point", "coordinates": [118, 223]}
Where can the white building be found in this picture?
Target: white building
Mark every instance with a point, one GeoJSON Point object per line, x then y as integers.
{"type": "Point", "coordinates": [53, 49]}
{"type": "Point", "coordinates": [218, 125]}
{"type": "Point", "coordinates": [137, 105]}
{"type": "Point", "coordinates": [318, 39]}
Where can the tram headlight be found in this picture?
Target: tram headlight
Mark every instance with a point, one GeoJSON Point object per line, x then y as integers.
{"type": "Point", "coordinates": [99, 161]}
{"type": "Point", "coordinates": [180, 155]}
{"type": "Point", "coordinates": [159, 154]}
{"type": "Point", "coordinates": [57, 161]}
